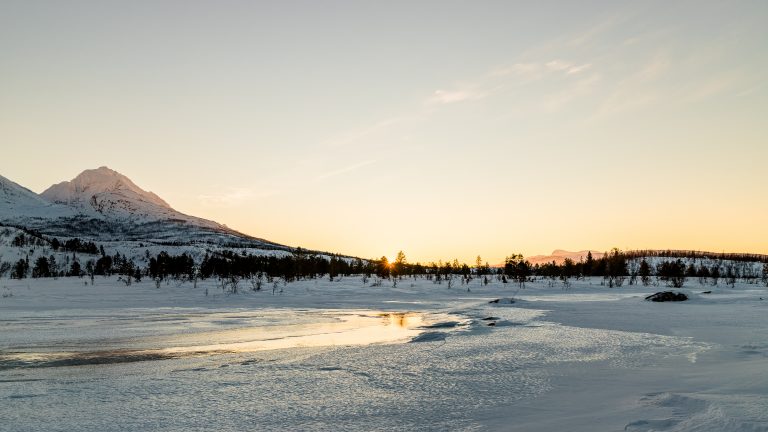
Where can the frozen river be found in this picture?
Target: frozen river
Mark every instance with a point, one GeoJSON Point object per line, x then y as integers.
{"type": "Point", "coordinates": [340, 356]}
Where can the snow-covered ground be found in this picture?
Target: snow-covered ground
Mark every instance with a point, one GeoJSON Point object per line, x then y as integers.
{"type": "Point", "coordinates": [339, 355]}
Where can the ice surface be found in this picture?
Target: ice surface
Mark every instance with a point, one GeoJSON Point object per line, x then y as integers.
{"type": "Point", "coordinates": [587, 359]}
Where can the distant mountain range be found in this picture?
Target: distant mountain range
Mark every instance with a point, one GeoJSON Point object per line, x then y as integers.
{"type": "Point", "coordinates": [559, 256]}
{"type": "Point", "coordinates": [102, 204]}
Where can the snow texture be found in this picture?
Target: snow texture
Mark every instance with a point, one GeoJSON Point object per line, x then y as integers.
{"type": "Point", "coordinates": [180, 357]}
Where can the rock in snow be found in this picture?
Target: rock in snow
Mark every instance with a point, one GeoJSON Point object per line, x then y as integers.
{"type": "Point", "coordinates": [666, 296]}
{"type": "Point", "coordinates": [502, 301]}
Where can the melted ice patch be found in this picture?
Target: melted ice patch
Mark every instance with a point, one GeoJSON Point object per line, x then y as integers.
{"type": "Point", "coordinates": [215, 334]}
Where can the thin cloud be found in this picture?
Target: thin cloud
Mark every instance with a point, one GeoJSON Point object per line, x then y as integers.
{"type": "Point", "coordinates": [559, 65]}
{"type": "Point", "coordinates": [495, 82]}
{"type": "Point", "coordinates": [359, 134]}
{"type": "Point", "coordinates": [234, 197]}
{"type": "Point", "coordinates": [591, 34]}
{"type": "Point", "coordinates": [454, 96]}
{"type": "Point", "coordinates": [537, 70]}
{"type": "Point", "coordinates": [343, 170]}
{"type": "Point", "coordinates": [567, 67]}
{"type": "Point", "coordinates": [578, 69]}
{"type": "Point", "coordinates": [526, 70]}
{"type": "Point", "coordinates": [575, 90]}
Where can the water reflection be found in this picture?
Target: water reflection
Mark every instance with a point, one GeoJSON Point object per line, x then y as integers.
{"type": "Point", "coordinates": [276, 330]}
{"type": "Point", "coordinates": [402, 319]}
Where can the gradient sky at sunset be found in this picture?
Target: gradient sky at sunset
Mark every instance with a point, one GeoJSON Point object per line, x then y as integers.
{"type": "Point", "coordinates": [446, 129]}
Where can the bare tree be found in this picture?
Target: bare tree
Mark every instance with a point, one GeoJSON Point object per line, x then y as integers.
{"type": "Point", "coordinates": [257, 281]}
{"type": "Point", "coordinates": [764, 275]}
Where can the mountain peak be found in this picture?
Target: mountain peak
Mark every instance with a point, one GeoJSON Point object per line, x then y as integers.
{"type": "Point", "coordinates": [559, 256]}
{"type": "Point", "coordinates": [103, 203]}
{"type": "Point", "coordinates": [16, 200]}
{"type": "Point", "coordinates": [11, 192]}
{"type": "Point", "coordinates": [103, 190]}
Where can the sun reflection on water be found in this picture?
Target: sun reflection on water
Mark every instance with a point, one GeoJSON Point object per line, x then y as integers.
{"type": "Point", "coordinates": [402, 319]}
{"type": "Point", "coordinates": [323, 328]}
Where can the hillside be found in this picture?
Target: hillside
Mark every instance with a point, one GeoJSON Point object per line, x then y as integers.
{"type": "Point", "coordinates": [104, 205]}
{"type": "Point", "coordinates": [18, 203]}
{"type": "Point", "coordinates": [559, 256]}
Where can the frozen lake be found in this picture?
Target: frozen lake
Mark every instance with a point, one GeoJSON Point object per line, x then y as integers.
{"type": "Point", "coordinates": [341, 356]}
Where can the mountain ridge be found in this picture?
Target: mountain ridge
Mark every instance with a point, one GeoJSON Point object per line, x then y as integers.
{"type": "Point", "coordinates": [559, 256]}
{"type": "Point", "coordinates": [103, 204]}
{"type": "Point", "coordinates": [16, 199]}
{"type": "Point", "coordinates": [98, 181]}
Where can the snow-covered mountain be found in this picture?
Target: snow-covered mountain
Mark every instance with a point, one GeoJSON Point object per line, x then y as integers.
{"type": "Point", "coordinates": [559, 256]}
{"type": "Point", "coordinates": [102, 204]}
{"type": "Point", "coordinates": [106, 193]}
{"type": "Point", "coordinates": [18, 203]}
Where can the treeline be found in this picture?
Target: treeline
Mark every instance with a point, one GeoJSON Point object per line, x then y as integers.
{"type": "Point", "coordinates": [27, 237]}
{"type": "Point", "coordinates": [615, 267]}
{"type": "Point", "coordinates": [33, 238]}
{"type": "Point", "coordinates": [696, 255]}
{"type": "Point", "coordinates": [44, 267]}
{"type": "Point", "coordinates": [226, 264]}
{"type": "Point", "coordinates": [299, 265]}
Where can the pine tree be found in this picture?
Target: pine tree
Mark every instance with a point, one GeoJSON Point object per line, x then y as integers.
{"type": "Point", "coordinates": [645, 272]}
{"type": "Point", "coordinates": [589, 265]}
{"type": "Point", "coordinates": [382, 268]}
{"type": "Point", "coordinates": [20, 269]}
{"type": "Point", "coordinates": [75, 269]}
{"type": "Point", "coordinates": [399, 265]}
{"type": "Point", "coordinates": [41, 268]}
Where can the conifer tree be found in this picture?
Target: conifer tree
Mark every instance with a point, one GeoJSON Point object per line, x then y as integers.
{"type": "Point", "coordinates": [645, 272]}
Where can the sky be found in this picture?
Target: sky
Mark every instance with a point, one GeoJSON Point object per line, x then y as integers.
{"type": "Point", "coordinates": [446, 129]}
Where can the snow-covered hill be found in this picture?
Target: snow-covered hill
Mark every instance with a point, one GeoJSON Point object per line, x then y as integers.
{"type": "Point", "coordinates": [104, 205]}
{"type": "Point", "coordinates": [18, 203]}
{"type": "Point", "coordinates": [559, 256]}
{"type": "Point", "coordinates": [106, 193]}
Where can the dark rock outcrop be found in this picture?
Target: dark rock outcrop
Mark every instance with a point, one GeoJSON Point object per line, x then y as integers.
{"type": "Point", "coordinates": [502, 301]}
{"type": "Point", "coordinates": [666, 296]}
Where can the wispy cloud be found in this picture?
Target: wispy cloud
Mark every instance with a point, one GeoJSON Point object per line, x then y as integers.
{"type": "Point", "coordinates": [636, 89]}
{"type": "Point", "coordinates": [569, 68]}
{"type": "Point", "coordinates": [576, 78]}
{"type": "Point", "coordinates": [717, 84]}
{"type": "Point", "coordinates": [596, 31]}
{"type": "Point", "coordinates": [558, 65]}
{"type": "Point", "coordinates": [537, 70]}
{"type": "Point", "coordinates": [578, 68]}
{"type": "Point", "coordinates": [234, 196]}
{"type": "Point", "coordinates": [575, 90]}
{"type": "Point", "coordinates": [343, 170]}
{"type": "Point", "coordinates": [357, 135]}
{"type": "Point", "coordinates": [526, 70]}
{"type": "Point", "coordinates": [499, 80]}
{"type": "Point", "coordinates": [454, 96]}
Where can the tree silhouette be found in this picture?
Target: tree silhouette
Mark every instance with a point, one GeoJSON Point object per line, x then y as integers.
{"type": "Point", "coordinates": [398, 267]}
{"type": "Point", "coordinates": [645, 272]}
{"type": "Point", "coordinates": [382, 268]}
